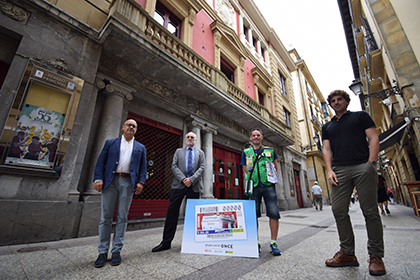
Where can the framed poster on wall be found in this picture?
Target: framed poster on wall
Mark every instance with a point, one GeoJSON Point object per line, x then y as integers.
{"type": "Point", "coordinates": [41, 118]}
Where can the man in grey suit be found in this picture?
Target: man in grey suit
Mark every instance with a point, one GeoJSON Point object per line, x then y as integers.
{"type": "Point", "coordinates": [188, 169]}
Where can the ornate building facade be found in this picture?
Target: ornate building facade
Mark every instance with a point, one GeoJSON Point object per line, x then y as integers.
{"type": "Point", "coordinates": [72, 71]}
{"type": "Point", "coordinates": [384, 47]}
{"type": "Point", "coordinates": [313, 113]}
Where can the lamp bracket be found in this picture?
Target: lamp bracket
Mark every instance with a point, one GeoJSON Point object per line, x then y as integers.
{"type": "Point", "coordinates": [385, 93]}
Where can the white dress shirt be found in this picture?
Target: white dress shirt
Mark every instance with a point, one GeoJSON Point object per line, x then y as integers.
{"type": "Point", "coordinates": [126, 149]}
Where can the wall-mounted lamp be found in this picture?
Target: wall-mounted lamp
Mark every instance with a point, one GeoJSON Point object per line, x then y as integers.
{"type": "Point", "coordinates": [356, 87]}
{"type": "Point", "coordinates": [309, 147]}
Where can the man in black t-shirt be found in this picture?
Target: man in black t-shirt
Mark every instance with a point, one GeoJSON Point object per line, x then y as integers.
{"type": "Point", "coordinates": [351, 147]}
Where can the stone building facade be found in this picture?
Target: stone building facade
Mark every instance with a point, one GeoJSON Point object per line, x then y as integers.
{"type": "Point", "coordinates": [384, 47]}
{"type": "Point", "coordinates": [313, 114]}
{"type": "Point", "coordinates": [72, 72]}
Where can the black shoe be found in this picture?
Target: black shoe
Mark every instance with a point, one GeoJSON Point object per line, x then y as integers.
{"type": "Point", "coordinates": [101, 260]}
{"type": "Point", "coordinates": [116, 258]}
{"type": "Point", "coordinates": [161, 247]}
{"type": "Point", "coordinates": [387, 211]}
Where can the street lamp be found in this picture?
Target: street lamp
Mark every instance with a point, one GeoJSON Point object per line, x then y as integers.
{"type": "Point", "coordinates": [316, 138]}
{"type": "Point", "coordinates": [357, 87]}
{"type": "Point", "coordinates": [309, 147]}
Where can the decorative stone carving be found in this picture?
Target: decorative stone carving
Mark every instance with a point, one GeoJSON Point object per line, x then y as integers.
{"type": "Point", "coordinates": [205, 110]}
{"type": "Point", "coordinates": [191, 16]}
{"type": "Point", "coordinates": [226, 12]}
{"type": "Point", "coordinates": [203, 125]}
{"type": "Point", "coordinates": [58, 63]}
{"type": "Point", "coordinates": [228, 123]}
{"type": "Point", "coordinates": [14, 12]}
{"type": "Point", "coordinates": [106, 83]}
{"type": "Point", "coordinates": [217, 38]}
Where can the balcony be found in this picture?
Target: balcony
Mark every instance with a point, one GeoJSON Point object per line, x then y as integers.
{"type": "Point", "coordinates": [139, 52]}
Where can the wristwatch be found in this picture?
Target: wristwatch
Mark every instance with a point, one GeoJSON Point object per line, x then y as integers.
{"type": "Point", "coordinates": [373, 162]}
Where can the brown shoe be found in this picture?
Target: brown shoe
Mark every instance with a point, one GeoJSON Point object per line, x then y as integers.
{"type": "Point", "coordinates": [341, 259]}
{"type": "Point", "coordinates": [376, 266]}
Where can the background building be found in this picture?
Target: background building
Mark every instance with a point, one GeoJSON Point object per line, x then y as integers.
{"type": "Point", "coordinates": [313, 113]}
{"type": "Point", "coordinates": [71, 72]}
{"type": "Point", "coordinates": [384, 46]}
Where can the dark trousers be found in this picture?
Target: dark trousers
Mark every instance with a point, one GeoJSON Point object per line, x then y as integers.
{"type": "Point", "coordinates": [172, 215]}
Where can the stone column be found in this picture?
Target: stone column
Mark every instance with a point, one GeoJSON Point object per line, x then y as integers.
{"type": "Point", "coordinates": [207, 146]}
{"type": "Point", "coordinates": [208, 171]}
{"type": "Point", "coordinates": [111, 120]}
{"type": "Point", "coordinates": [196, 129]}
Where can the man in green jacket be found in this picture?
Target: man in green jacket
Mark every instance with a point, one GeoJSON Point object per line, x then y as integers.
{"type": "Point", "coordinates": [260, 165]}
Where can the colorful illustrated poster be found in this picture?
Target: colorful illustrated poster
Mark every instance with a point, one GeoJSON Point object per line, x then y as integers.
{"type": "Point", "coordinates": [220, 227]}
{"type": "Point", "coordinates": [220, 221]}
{"type": "Point", "coordinates": [36, 137]}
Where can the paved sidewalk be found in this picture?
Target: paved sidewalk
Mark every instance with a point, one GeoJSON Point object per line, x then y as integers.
{"type": "Point", "coordinates": [307, 237]}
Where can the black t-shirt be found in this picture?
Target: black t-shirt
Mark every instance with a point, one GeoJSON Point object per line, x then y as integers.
{"type": "Point", "coordinates": [348, 141]}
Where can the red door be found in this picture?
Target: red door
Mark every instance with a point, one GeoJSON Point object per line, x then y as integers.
{"type": "Point", "coordinates": [298, 189]}
{"type": "Point", "coordinates": [227, 173]}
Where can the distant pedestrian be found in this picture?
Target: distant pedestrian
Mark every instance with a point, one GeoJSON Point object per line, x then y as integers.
{"type": "Point", "coordinates": [351, 147]}
{"type": "Point", "coordinates": [391, 196]}
{"type": "Point", "coordinates": [382, 195]}
{"type": "Point", "coordinates": [316, 190]}
{"type": "Point", "coordinates": [120, 171]}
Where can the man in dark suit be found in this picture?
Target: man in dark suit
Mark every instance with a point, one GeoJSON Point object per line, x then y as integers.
{"type": "Point", "coordinates": [188, 169]}
{"type": "Point", "coordinates": [120, 172]}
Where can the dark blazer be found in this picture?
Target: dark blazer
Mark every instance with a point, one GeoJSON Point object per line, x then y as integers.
{"type": "Point", "coordinates": [108, 162]}
{"type": "Point", "coordinates": [180, 171]}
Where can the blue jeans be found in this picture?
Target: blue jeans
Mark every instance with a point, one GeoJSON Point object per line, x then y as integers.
{"type": "Point", "coordinates": [270, 199]}
{"type": "Point", "coordinates": [121, 190]}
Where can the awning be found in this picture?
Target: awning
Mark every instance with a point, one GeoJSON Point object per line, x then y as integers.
{"type": "Point", "coordinates": [393, 135]}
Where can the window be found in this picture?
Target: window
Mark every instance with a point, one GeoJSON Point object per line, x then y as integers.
{"type": "Point", "coordinates": [9, 47]}
{"type": "Point", "coordinates": [227, 70]}
{"type": "Point", "coordinates": [263, 53]}
{"type": "Point", "coordinates": [283, 88]}
{"type": "Point", "coordinates": [287, 118]}
{"type": "Point", "coordinates": [246, 33]}
{"type": "Point", "coordinates": [254, 43]}
{"type": "Point", "coordinates": [261, 98]}
{"type": "Point", "coordinates": [168, 20]}
{"type": "Point", "coordinates": [324, 109]}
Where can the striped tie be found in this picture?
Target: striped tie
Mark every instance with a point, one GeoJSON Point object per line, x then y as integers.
{"type": "Point", "coordinates": [190, 163]}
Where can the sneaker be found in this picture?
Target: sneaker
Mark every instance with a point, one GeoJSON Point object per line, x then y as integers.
{"type": "Point", "coordinates": [376, 266]}
{"type": "Point", "coordinates": [387, 211]}
{"type": "Point", "coordinates": [116, 258]}
{"type": "Point", "coordinates": [383, 212]}
{"type": "Point", "coordinates": [101, 260]}
{"type": "Point", "coordinates": [259, 248]}
{"type": "Point", "coordinates": [275, 249]}
{"type": "Point", "coordinates": [341, 259]}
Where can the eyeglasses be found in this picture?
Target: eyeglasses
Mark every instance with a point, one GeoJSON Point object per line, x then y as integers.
{"type": "Point", "coordinates": [131, 125]}
{"type": "Point", "coordinates": [192, 137]}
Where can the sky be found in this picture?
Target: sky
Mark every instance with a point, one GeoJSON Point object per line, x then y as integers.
{"type": "Point", "coordinates": [316, 31]}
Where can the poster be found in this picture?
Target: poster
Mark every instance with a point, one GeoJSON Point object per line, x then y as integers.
{"type": "Point", "coordinates": [220, 227]}
{"type": "Point", "coordinates": [36, 137]}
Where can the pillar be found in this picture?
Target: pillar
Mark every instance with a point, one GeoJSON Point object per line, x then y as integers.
{"type": "Point", "coordinates": [110, 122]}
{"type": "Point", "coordinates": [207, 146]}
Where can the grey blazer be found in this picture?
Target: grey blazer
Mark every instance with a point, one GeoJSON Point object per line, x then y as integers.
{"type": "Point", "coordinates": [180, 171]}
